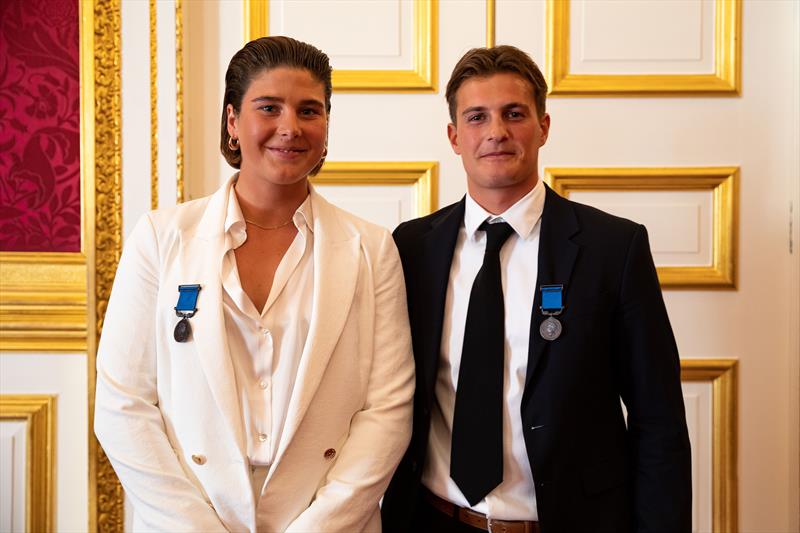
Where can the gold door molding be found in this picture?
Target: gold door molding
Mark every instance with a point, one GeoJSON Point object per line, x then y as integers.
{"type": "Point", "coordinates": [101, 52]}
{"type": "Point", "coordinates": [422, 78]}
{"type": "Point", "coordinates": [39, 414]}
{"type": "Point", "coordinates": [721, 181]}
{"type": "Point", "coordinates": [724, 81]}
{"type": "Point", "coordinates": [722, 373]}
{"type": "Point", "coordinates": [422, 175]}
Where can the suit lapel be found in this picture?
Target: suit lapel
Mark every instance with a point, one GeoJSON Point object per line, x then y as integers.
{"type": "Point", "coordinates": [436, 247]}
{"type": "Point", "coordinates": [336, 266]}
{"type": "Point", "coordinates": [557, 254]}
{"type": "Point", "coordinates": [201, 261]}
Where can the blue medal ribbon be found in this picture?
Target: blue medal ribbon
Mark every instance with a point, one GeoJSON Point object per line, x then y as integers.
{"type": "Point", "coordinates": [187, 300]}
{"type": "Point", "coordinates": [552, 299]}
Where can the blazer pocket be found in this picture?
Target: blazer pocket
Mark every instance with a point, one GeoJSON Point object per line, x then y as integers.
{"type": "Point", "coordinates": [603, 476]}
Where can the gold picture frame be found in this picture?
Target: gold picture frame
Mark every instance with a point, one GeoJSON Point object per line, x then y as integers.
{"type": "Point", "coordinates": [421, 78]}
{"type": "Point", "coordinates": [39, 414]}
{"type": "Point", "coordinates": [423, 175]}
{"type": "Point", "coordinates": [722, 373]}
{"type": "Point", "coordinates": [43, 302]}
{"type": "Point", "coordinates": [724, 81]}
{"type": "Point", "coordinates": [721, 181]}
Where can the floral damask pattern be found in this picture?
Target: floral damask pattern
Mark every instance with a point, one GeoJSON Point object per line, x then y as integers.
{"type": "Point", "coordinates": [40, 196]}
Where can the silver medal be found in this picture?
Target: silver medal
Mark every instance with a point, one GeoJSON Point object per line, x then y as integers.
{"type": "Point", "coordinates": [550, 329]}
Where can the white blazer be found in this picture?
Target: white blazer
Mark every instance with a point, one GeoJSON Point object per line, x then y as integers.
{"type": "Point", "coordinates": [167, 413]}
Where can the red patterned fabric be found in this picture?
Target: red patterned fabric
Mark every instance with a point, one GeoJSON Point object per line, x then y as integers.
{"type": "Point", "coordinates": [39, 126]}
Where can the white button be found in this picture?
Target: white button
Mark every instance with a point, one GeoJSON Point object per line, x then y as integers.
{"type": "Point", "coordinates": [262, 437]}
{"type": "Point", "coordinates": [264, 331]}
{"type": "Point", "coordinates": [263, 384]}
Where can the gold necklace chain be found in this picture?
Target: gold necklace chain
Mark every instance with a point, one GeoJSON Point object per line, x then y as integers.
{"type": "Point", "coordinates": [279, 226]}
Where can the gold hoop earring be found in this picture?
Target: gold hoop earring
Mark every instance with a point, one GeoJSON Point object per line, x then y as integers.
{"type": "Point", "coordinates": [233, 143]}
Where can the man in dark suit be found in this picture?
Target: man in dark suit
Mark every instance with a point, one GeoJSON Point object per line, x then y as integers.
{"type": "Point", "coordinates": [531, 317]}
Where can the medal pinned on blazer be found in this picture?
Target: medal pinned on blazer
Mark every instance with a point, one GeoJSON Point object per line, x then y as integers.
{"type": "Point", "coordinates": [552, 306]}
{"type": "Point", "coordinates": [185, 309]}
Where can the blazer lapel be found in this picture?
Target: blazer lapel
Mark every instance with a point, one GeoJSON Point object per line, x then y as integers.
{"type": "Point", "coordinates": [336, 266]}
{"type": "Point", "coordinates": [201, 255]}
{"type": "Point", "coordinates": [436, 249]}
{"type": "Point", "coordinates": [557, 254]}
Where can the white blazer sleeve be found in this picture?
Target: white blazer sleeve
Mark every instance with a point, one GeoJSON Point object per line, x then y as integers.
{"type": "Point", "coordinates": [128, 421]}
{"type": "Point", "coordinates": [379, 433]}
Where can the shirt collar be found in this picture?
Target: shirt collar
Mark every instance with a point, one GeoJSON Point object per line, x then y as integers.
{"type": "Point", "coordinates": [522, 216]}
{"type": "Point", "coordinates": [236, 229]}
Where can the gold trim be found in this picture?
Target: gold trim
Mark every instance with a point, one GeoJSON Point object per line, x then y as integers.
{"type": "Point", "coordinates": [422, 78]}
{"type": "Point", "coordinates": [179, 100]}
{"type": "Point", "coordinates": [491, 15]}
{"type": "Point", "coordinates": [39, 414]}
{"type": "Point", "coordinates": [725, 81]}
{"type": "Point", "coordinates": [105, 492]}
{"type": "Point", "coordinates": [724, 481]}
{"type": "Point", "coordinates": [423, 175]}
{"type": "Point", "coordinates": [153, 105]}
{"type": "Point", "coordinates": [721, 181]}
{"type": "Point", "coordinates": [43, 301]}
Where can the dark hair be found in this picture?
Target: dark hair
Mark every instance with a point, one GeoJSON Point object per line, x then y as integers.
{"type": "Point", "coordinates": [262, 54]}
{"type": "Point", "coordinates": [483, 62]}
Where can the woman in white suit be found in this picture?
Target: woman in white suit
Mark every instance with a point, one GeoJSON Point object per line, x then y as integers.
{"type": "Point", "coordinates": [255, 369]}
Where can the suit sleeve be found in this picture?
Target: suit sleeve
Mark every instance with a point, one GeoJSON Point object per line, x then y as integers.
{"type": "Point", "coordinates": [128, 421]}
{"type": "Point", "coordinates": [651, 391]}
{"type": "Point", "coordinates": [380, 432]}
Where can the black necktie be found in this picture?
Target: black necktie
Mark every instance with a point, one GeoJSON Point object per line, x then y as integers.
{"type": "Point", "coordinates": [476, 453]}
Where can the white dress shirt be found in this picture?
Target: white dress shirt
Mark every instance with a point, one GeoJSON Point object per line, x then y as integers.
{"type": "Point", "coordinates": [514, 498]}
{"type": "Point", "coordinates": [266, 347]}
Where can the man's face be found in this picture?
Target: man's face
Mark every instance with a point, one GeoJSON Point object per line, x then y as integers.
{"type": "Point", "coordinates": [498, 134]}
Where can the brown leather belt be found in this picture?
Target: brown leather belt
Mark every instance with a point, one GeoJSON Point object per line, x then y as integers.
{"type": "Point", "coordinates": [479, 520]}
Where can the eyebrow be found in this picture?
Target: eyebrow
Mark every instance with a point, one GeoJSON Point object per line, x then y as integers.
{"type": "Point", "coordinates": [266, 98]}
{"type": "Point", "coordinates": [510, 105]}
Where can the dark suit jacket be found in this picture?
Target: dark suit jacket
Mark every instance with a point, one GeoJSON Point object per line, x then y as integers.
{"type": "Point", "coordinates": [592, 472]}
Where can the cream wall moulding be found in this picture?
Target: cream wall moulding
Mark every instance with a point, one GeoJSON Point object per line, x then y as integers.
{"type": "Point", "coordinates": [38, 412]}
{"type": "Point", "coordinates": [720, 182]}
{"type": "Point", "coordinates": [722, 374]}
{"type": "Point", "coordinates": [421, 78]}
{"type": "Point", "coordinates": [723, 80]}
{"type": "Point", "coordinates": [422, 175]}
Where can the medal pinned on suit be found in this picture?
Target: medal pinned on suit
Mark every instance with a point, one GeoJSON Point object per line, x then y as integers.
{"type": "Point", "coordinates": [552, 306]}
{"type": "Point", "coordinates": [185, 309]}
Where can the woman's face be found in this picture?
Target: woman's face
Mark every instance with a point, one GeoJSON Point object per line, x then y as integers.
{"type": "Point", "coordinates": [282, 125]}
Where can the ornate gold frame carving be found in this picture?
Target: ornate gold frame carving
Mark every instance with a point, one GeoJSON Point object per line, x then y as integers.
{"type": "Point", "coordinates": [422, 78]}
{"type": "Point", "coordinates": [725, 81]}
{"type": "Point", "coordinates": [724, 478]}
{"type": "Point", "coordinates": [101, 55]}
{"type": "Point", "coordinates": [721, 181]}
{"type": "Point", "coordinates": [423, 175]}
{"type": "Point", "coordinates": [39, 413]}
{"type": "Point", "coordinates": [153, 11]}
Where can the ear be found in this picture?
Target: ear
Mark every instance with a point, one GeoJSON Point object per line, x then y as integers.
{"type": "Point", "coordinates": [452, 134]}
{"type": "Point", "coordinates": [233, 121]}
{"type": "Point", "coordinates": [545, 125]}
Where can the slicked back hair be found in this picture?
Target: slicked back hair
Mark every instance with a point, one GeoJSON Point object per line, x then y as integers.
{"type": "Point", "coordinates": [485, 62]}
{"type": "Point", "coordinates": [262, 54]}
